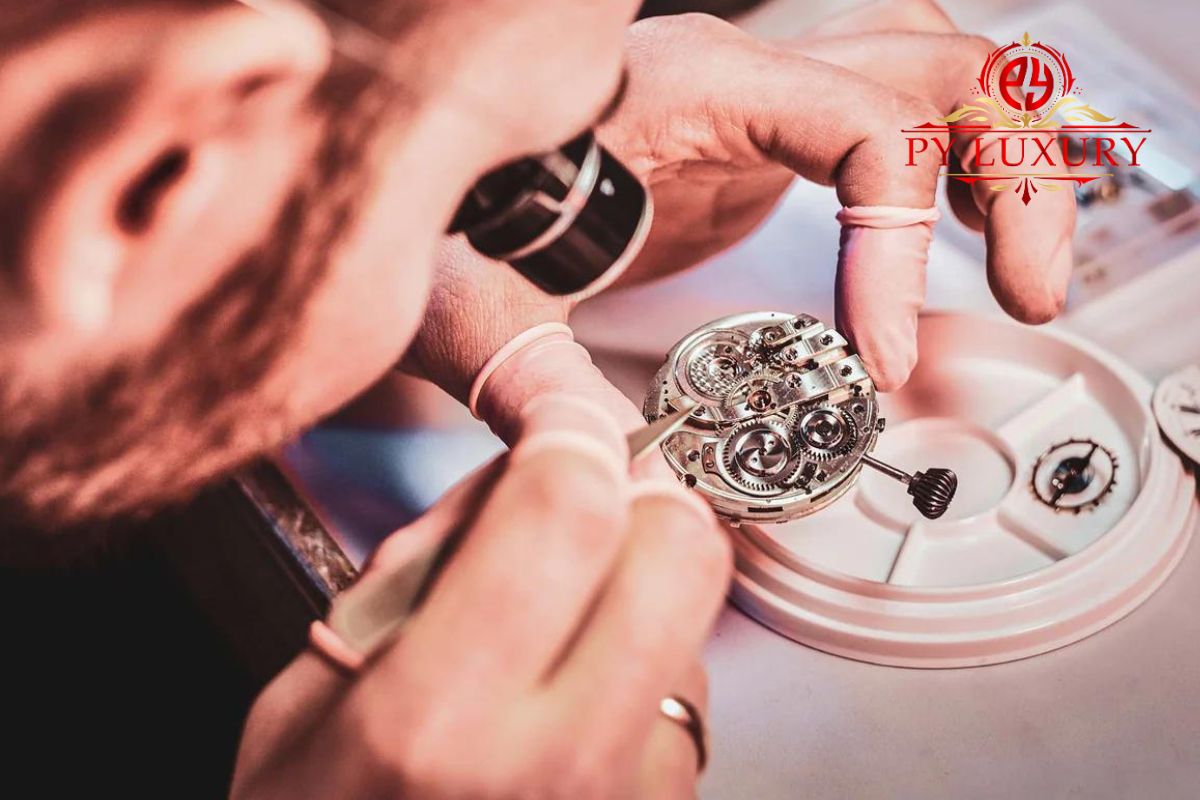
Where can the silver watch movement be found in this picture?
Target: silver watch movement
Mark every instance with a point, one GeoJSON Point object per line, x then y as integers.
{"type": "Point", "coordinates": [786, 416]}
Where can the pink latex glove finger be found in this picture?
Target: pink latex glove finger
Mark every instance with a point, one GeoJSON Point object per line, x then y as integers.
{"type": "Point", "coordinates": [546, 361]}
{"type": "Point", "coordinates": [881, 286]}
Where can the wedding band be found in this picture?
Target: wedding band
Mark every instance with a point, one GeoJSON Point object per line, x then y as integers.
{"type": "Point", "coordinates": [683, 713]}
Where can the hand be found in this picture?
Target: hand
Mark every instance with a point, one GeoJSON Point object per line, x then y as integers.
{"type": "Point", "coordinates": [535, 667]}
{"type": "Point", "coordinates": [476, 307]}
{"type": "Point", "coordinates": [719, 124]}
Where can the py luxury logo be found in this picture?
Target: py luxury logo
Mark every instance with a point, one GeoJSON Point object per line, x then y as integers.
{"type": "Point", "coordinates": [1027, 129]}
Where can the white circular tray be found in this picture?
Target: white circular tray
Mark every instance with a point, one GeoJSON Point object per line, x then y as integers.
{"type": "Point", "coordinates": [1002, 576]}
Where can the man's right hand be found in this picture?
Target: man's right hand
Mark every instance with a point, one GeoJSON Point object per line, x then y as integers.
{"type": "Point", "coordinates": [578, 600]}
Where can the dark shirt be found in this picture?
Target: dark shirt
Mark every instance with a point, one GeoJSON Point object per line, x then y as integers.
{"type": "Point", "coordinates": [116, 682]}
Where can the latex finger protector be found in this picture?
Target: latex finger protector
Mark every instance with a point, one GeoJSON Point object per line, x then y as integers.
{"type": "Point", "coordinates": [1029, 255]}
{"type": "Point", "coordinates": [551, 365]}
{"type": "Point", "coordinates": [575, 442]}
{"type": "Point", "coordinates": [881, 285]}
{"type": "Point", "coordinates": [333, 650]}
{"type": "Point", "coordinates": [369, 613]}
{"type": "Point", "coordinates": [518, 344]}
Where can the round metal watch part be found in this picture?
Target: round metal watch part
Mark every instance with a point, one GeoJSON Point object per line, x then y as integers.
{"type": "Point", "coordinates": [1177, 408]}
{"type": "Point", "coordinates": [787, 412]}
{"type": "Point", "coordinates": [1074, 476]}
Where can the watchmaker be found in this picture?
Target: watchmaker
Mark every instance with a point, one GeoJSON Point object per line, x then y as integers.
{"type": "Point", "coordinates": [220, 224]}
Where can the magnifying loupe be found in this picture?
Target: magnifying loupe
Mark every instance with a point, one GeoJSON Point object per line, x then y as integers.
{"type": "Point", "coordinates": [569, 220]}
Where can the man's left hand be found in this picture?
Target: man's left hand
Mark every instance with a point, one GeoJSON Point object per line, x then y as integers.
{"type": "Point", "coordinates": [718, 124]}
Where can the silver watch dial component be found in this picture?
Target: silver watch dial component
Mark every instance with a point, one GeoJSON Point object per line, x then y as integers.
{"type": "Point", "coordinates": [1177, 409]}
{"type": "Point", "coordinates": [787, 412]}
{"type": "Point", "coordinates": [716, 367]}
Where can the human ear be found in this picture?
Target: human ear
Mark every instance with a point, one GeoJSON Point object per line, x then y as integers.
{"type": "Point", "coordinates": [196, 112]}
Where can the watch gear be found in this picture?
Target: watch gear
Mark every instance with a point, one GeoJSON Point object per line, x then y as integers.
{"type": "Point", "coordinates": [826, 433]}
{"type": "Point", "coordinates": [757, 456]}
{"type": "Point", "coordinates": [1074, 475]}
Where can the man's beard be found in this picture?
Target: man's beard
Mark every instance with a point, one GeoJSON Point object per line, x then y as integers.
{"type": "Point", "coordinates": [151, 429]}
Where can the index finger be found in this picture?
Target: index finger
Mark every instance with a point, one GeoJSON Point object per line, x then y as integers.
{"type": "Point", "coordinates": [1028, 249]}
{"type": "Point", "coordinates": [848, 133]}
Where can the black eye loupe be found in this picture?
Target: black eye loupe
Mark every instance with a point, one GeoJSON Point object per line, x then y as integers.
{"type": "Point", "coordinates": [569, 220]}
